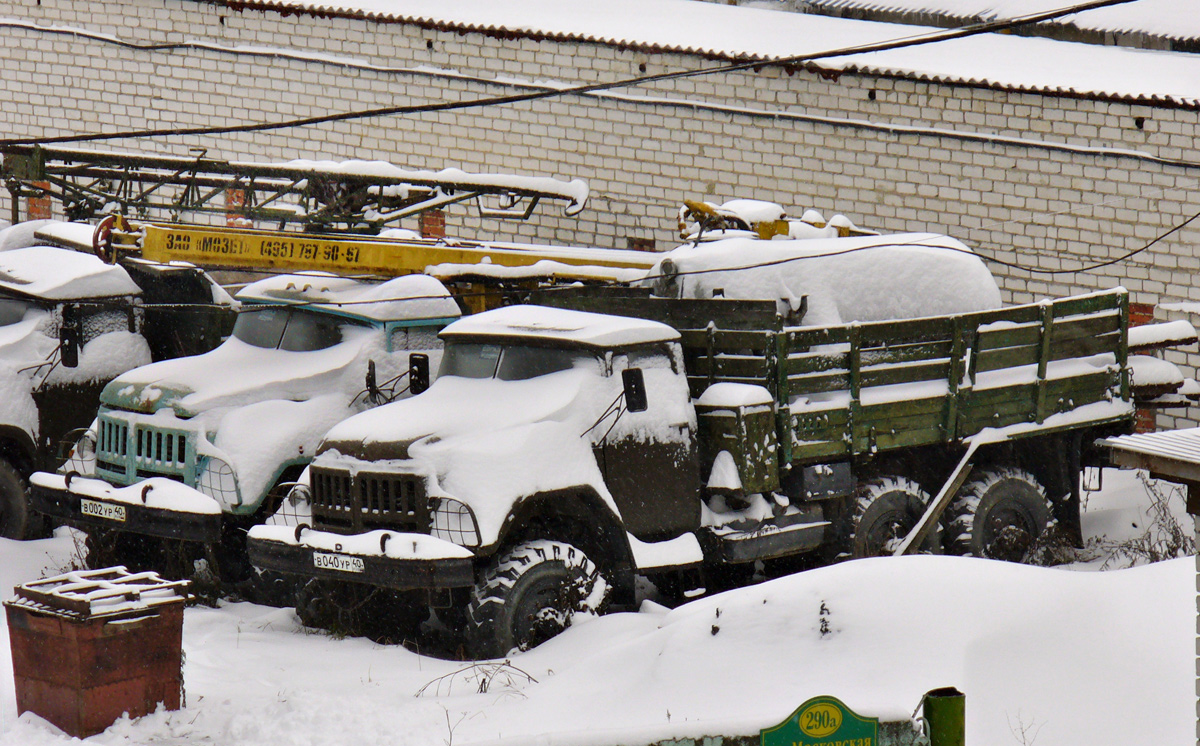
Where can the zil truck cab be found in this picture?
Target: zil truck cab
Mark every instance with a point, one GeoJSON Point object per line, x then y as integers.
{"type": "Point", "coordinates": [195, 449]}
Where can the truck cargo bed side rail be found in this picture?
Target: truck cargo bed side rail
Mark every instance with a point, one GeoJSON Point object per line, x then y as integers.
{"type": "Point", "coordinates": [863, 388]}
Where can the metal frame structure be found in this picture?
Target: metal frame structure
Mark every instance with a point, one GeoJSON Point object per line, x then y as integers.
{"type": "Point", "coordinates": [354, 196]}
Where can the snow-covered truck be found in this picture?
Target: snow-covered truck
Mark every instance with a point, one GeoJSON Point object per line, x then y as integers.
{"type": "Point", "coordinates": [194, 449]}
{"type": "Point", "coordinates": [69, 323]}
{"type": "Point", "coordinates": [563, 452]}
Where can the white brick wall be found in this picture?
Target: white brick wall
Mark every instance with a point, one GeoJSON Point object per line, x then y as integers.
{"type": "Point", "coordinates": [794, 138]}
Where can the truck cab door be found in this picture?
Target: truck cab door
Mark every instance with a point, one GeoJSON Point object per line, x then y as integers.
{"type": "Point", "coordinates": [649, 459]}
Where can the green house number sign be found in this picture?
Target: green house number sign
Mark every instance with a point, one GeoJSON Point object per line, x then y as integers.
{"type": "Point", "coordinates": [823, 721]}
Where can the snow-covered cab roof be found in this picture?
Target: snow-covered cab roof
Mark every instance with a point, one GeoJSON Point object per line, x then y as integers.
{"type": "Point", "coordinates": [401, 298]}
{"type": "Point", "coordinates": [60, 274]}
{"type": "Point", "coordinates": [561, 326]}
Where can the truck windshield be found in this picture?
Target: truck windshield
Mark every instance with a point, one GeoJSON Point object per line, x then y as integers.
{"type": "Point", "coordinates": [510, 362]}
{"type": "Point", "coordinates": [289, 329]}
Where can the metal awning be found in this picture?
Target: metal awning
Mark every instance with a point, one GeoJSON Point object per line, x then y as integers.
{"type": "Point", "coordinates": [1173, 455]}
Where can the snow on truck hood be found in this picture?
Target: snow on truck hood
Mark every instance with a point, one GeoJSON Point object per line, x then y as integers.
{"type": "Point", "coordinates": [861, 278]}
{"type": "Point", "coordinates": [455, 406]}
{"type": "Point", "coordinates": [234, 374]}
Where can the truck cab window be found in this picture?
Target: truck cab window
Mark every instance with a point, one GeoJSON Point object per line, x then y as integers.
{"type": "Point", "coordinates": [519, 363]}
{"type": "Point", "coordinates": [289, 329]}
{"type": "Point", "coordinates": [307, 331]}
{"type": "Point", "coordinates": [510, 362]}
{"type": "Point", "coordinates": [470, 360]}
{"type": "Point", "coordinates": [262, 327]}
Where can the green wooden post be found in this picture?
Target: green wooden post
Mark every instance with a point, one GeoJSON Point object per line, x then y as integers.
{"type": "Point", "coordinates": [945, 712]}
{"type": "Point", "coordinates": [1039, 410]}
{"type": "Point", "coordinates": [780, 348]}
{"type": "Point", "coordinates": [1123, 352]}
{"type": "Point", "coordinates": [955, 377]}
{"type": "Point", "coordinates": [711, 342]}
{"type": "Point", "coordinates": [855, 383]}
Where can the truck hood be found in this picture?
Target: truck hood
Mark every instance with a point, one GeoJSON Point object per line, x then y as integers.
{"type": "Point", "coordinates": [456, 406]}
{"type": "Point", "coordinates": [234, 374]}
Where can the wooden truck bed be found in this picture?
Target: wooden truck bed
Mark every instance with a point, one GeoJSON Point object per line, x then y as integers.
{"type": "Point", "coordinates": [872, 387]}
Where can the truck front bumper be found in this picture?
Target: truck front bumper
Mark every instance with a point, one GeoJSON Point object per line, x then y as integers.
{"type": "Point", "coordinates": [156, 507]}
{"type": "Point", "coordinates": [389, 559]}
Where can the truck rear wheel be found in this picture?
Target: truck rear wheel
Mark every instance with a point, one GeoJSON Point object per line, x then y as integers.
{"type": "Point", "coordinates": [998, 515]}
{"type": "Point", "coordinates": [17, 519]}
{"type": "Point", "coordinates": [885, 510]}
{"type": "Point", "coordinates": [531, 593]}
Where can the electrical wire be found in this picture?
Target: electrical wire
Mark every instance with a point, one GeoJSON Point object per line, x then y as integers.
{"type": "Point", "coordinates": [898, 43]}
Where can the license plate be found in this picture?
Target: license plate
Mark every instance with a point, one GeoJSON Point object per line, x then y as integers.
{"type": "Point", "coordinates": [339, 562]}
{"type": "Point", "coordinates": [107, 511]}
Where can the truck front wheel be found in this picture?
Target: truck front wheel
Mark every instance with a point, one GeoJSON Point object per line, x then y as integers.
{"type": "Point", "coordinates": [531, 593]}
{"type": "Point", "coordinates": [17, 519]}
{"type": "Point", "coordinates": [883, 513]}
{"type": "Point", "coordinates": [998, 515]}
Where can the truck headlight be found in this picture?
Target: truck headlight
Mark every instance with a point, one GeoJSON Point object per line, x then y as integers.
{"type": "Point", "coordinates": [78, 451]}
{"type": "Point", "coordinates": [454, 521]}
{"type": "Point", "coordinates": [218, 481]}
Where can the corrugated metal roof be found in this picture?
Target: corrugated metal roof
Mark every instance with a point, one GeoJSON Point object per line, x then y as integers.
{"type": "Point", "coordinates": [1177, 20]}
{"type": "Point", "coordinates": [1177, 445]}
{"type": "Point", "coordinates": [736, 33]}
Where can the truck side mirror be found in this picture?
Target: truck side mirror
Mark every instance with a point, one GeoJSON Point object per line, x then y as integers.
{"type": "Point", "coordinates": [418, 372]}
{"type": "Point", "coordinates": [372, 385]}
{"type": "Point", "coordinates": [635, 389]}
{"type": "Point", "coordinates": [70, 336]}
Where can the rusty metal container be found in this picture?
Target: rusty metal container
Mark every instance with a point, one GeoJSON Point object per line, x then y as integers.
{"type": "Point", "coordinates": [89, 646]}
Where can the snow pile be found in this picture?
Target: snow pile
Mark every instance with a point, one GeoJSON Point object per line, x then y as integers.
{"type": "Point", "coordinates": [1049, 650]}
{"type": "Point", "coordinates": [1151, 371]}
{"type": "Point", "coordinates": [867, 278]}
{"type": "Point", "coordinates": [61, 274]}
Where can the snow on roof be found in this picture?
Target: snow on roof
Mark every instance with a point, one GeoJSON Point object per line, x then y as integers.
{"type": "Point", "coordinates": [721, 31]}
{"type": "Point", "coordinates": [1171, 19]}
{"type": "Point", "coordinates": [61, 274]}
{"type": "Point", "coordinates": [560, 325]}
{"type": "Point", "coordinates": [406, 297]}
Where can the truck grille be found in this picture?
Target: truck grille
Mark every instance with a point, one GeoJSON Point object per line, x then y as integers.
{"type": "Point", "coordinates": [152, 451]}
{"type": "Point", "coordinates": [369, 501]}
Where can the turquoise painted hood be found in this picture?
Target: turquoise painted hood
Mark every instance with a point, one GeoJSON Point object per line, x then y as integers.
{"type": "Point", "coordinates": [237, 374]}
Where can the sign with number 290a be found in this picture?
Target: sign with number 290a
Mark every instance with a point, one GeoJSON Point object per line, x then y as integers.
{"type": "Point", "coordinates": [823, 721]}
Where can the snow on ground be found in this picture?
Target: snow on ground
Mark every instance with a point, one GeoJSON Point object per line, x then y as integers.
{"type": "Point", "coordinates": [1067, 657]}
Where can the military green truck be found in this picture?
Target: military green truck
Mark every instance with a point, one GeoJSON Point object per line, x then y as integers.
{"type": "Point", "coordinates": [563, 452]}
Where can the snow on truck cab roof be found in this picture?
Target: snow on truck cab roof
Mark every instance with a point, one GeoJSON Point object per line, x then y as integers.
{"type": "Point", "coordinates": [417, 297]}
{"type": "Point", "coordinates": [560, 326]}
{"type": "Point", "coordinates": [57, 274]}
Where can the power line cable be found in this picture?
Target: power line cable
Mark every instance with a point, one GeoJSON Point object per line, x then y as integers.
{"type": "Point", "coordinates": [899, 43]}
